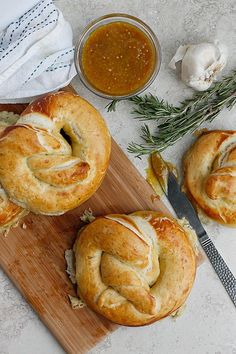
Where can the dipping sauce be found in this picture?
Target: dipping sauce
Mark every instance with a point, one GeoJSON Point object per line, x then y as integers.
{"type": "Point", "coordinates": [157, 173]}
{"type": "Point", "coordinates": [118, 58]}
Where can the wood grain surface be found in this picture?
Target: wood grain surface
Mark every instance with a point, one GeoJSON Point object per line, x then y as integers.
{"type": "Point", "coordinates": [33, 257]}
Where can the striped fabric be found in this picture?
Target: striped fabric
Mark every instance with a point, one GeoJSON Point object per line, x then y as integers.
{"type": "Point", "coordinates": [36, 54]}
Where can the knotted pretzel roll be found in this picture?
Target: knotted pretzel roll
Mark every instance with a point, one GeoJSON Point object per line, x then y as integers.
{"type": "Point", "coordinates": [134, 269]}
{"type": "Point", "coordinates": [10, 213]}
{"type": "Point", "coordinates": [210, 175]}
{"type": "Point", "coordinates": [56, 155]}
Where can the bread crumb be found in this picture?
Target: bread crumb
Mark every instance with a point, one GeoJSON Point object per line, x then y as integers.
{"type": "Point", "coordinates": [5, 232]}
{"type": "Point", "coordinates": [24, 226]}
{"type": "Point", "coordinates": [87, 216]}
{"type": "Point", "coordinates": [155, 197]}
{"type": "Point", "coordinates": [76, 303]}
{"type": "Point", "coordinates": [70, 261]}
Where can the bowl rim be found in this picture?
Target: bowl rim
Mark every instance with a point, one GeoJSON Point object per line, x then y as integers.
{"type": "Point", "coordinates": [116, 17]}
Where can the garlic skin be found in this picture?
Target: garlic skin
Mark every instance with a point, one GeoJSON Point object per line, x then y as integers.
{"type": "Point", "coordinates": [200, 63]}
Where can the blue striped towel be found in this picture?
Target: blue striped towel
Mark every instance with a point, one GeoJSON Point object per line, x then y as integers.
{"type": "Point", "coordinates": [36, 54]}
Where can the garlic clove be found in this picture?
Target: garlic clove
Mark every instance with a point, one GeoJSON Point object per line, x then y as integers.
{"type": "Point", "coordinates": [200, 63]}
{"type": "Point", "coordinates": [180, 53]}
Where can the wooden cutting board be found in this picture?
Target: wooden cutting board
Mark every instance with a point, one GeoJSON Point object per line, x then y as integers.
{"type": "Point", "coordinates": [33, 257]}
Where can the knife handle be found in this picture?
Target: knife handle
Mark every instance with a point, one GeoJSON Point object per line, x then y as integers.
{"type": "Point", "coordinates": [222, 270]}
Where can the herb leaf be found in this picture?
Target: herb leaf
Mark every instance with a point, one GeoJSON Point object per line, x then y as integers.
{"type": "Point", "coordinates": [111, 106]}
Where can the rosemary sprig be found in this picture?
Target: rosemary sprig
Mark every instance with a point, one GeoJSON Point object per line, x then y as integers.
{"type": "Point", "coordinates": [175, 122]}
{"type": "Point", "coordinates": [149, 107]}
{"type": "Point", "coordinates": [111, 107]}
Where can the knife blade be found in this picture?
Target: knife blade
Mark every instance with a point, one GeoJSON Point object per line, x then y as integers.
{"type": "Point", "coordinates": [184, 209]}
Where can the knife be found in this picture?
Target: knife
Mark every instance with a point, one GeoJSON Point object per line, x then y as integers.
{"type": "Point", "coordinates": [184, 209]}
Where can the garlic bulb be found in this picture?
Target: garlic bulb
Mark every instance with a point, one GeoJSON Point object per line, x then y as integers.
{"type": "Point", "coordinates": [200, 63]}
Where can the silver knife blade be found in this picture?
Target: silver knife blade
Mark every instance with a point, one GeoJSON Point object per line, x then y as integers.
{"type": "Point", "coordinates": [182, 205]}
{"type": "Point", "coordinates": [184, 209]}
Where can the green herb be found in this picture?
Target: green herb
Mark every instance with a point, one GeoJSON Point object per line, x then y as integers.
{"type": "Point", "coordinates": [111, 107]}
{"type": "Point", "coordinates": [175, 122]}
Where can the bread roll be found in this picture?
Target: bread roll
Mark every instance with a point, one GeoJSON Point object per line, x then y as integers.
{"type": "Point", "coordinates": [134, 269]}
{"type": "Point", "coordinates": [210, 175]}
{"type": "Point", "coordinates": [10, 213]}
{"type": "Point", "coordinates": [56, 155]}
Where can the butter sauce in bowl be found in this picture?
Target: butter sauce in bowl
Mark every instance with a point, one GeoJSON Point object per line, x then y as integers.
{"type": "Point", "coordinates": [117, 56]}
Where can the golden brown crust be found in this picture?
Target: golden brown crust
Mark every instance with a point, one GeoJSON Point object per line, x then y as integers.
{"type": "Point", "coordinates": [42, 171]}
{"type": "Point", "coordinates": [10, 213]}
{"type": "Point", "coordinates": [134, 269]}
{"type": "Point", "coordinates": [210, 175]}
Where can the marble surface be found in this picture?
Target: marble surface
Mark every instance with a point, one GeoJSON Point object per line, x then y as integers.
{"type": "Point", "coordinates": [208, 325]}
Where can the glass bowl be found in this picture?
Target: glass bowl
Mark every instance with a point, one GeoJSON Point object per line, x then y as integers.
{"type": "Point", "coordinates": [101, 21]}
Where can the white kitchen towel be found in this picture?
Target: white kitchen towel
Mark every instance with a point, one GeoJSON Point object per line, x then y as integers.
{"type": "Point", "coordinates": [12, 9]}
{"type": "Point", "coordinates": [36, 54]}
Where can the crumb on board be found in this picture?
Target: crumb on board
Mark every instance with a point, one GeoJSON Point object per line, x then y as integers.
{"type": "Point", "coordinates": [87, 216]}
{"type": "Point", "coordinates": [155, 197]}
{"type": "Point", "coordinates": [5, 232]}
{"type": "Point", "coordinates": [70, 261]}
{"type": "Point", "coordinates": [76, 303]}
{"type": "Point", "coordinates": [24, 226]}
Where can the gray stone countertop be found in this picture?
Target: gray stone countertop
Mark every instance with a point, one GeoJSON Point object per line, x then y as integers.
{"type": "Point", "coordinates": [208, 325]}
